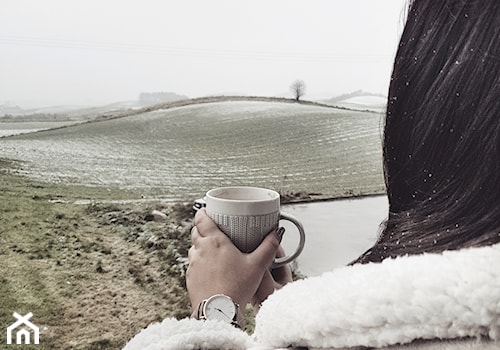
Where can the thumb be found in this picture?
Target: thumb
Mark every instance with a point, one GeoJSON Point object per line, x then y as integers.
{"type": "Point", "coordinates": [266, 251]}
{"type": "Point", "coordinates": [265, 289]}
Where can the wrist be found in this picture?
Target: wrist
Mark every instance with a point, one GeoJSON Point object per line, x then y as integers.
{"type": "Point", "coordinates": [220, 307]}
{"type": "Point", "coordinates": [196, 302]}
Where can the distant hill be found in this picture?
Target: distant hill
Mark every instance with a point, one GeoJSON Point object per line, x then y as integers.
{"type": "Point", "coordinates": [10, 108]}
{"type": "Point", "coordinates": [151, 98]}
{"type": "Point", "coordinates": [180, 152]}
{"type": "Point", "coordinates": [62, 112]}
{"type": "Point", "coordinates": [351, 95]}
{"type": "Point", "coordinates": [75, 112]}
{"type": "Point", "coordinates": [359, 99]}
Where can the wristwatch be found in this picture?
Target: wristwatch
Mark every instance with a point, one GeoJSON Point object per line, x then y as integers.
{"type": "Point", "coordinates": [219, 307]}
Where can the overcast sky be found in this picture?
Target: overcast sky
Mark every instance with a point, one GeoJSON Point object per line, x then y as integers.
{"type": "Point", "coordinates": [92, 52]}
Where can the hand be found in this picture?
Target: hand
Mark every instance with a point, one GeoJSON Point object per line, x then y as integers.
{"type": "Point", "coordinates": [217, 266]}
{"type": "Point", "coordinates": [272, 280]}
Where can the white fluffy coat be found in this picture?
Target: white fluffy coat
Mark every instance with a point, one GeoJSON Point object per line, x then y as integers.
{"type": "Point", "coordinates": [429, 301]}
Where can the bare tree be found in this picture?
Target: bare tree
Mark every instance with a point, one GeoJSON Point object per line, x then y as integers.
{"type": "Point", "coordinates": [298, 89]}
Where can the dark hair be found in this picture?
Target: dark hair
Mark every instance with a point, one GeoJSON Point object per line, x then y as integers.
{"type": "Point", "coordinates": [442, 131]}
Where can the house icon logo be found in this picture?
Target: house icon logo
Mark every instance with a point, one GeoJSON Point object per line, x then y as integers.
{"type": "Point", "coordinates": [25, 329]}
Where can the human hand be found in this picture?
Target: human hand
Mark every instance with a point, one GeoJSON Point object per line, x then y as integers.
{"type": "Point", "coordinates": [216, 266]}
{"type": "Point", "coordinates": [272, 280]}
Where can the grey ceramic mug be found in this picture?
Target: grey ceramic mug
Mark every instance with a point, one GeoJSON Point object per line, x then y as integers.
{"type": "Point", "coordinates": [247, 214]}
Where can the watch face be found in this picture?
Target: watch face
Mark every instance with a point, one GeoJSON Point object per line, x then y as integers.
{"type": "Point", "coordinates": [220, 307]}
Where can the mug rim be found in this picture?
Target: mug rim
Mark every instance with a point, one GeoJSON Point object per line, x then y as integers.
{"type": "Point", "coordinates": [242, 207]}
{"type": "Point", "coordinates": [211, 193]}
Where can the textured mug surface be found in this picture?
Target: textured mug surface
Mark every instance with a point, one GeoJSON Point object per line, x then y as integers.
{"type": "Point", "coordinates": [248, 231]}
{"type": "Point", "coordinates": [247, 214]}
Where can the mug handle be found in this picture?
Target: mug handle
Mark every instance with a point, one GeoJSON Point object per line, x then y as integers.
{"type": "Point", "coordinates": [286, 259]}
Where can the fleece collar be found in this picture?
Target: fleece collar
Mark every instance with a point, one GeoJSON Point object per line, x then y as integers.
{"type": "Point", "coordinates": [430, 296]}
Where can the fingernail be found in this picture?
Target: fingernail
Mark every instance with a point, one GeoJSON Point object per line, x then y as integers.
{"type": "Point", "coordinates": [280, 233]}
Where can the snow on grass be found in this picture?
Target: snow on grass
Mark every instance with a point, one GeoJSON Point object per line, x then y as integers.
{"type": "Point", "coordinates": [17, 128]}
{"type": "Point", "coordinates": [180, 153]}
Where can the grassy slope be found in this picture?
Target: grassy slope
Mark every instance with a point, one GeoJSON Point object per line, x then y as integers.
{"type": "Point", "coordinates": [179, 153]}
{"type": "Point", "coordinates": [94, 275]}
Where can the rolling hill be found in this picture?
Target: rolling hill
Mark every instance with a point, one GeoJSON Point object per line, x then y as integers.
{"type": "Point", "coordinates": [177, 154]}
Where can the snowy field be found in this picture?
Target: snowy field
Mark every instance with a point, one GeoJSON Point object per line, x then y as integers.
{"type": "Point", "coordinates": [17, 128]}
{"type": "Point", "coordinates": [180, 153]}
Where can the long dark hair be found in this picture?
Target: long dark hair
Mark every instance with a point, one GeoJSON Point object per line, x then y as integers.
{"type": "Point", "coordinates": [442, 131]}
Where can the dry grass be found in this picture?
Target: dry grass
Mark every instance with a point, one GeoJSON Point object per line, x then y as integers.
{"type": "Point", "coordinates": [92, 276]}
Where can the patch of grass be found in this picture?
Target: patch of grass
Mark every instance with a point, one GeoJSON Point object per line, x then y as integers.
{"type": "Point", "coordinates": [70, 264]}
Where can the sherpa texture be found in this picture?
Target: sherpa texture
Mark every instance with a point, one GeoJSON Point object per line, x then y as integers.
{"type": "Point", "coordinates": [451, 295]}
{"type": "Point", "coordinates": [432, 296]}
{"type": "Point", "coordinates": [188, 334]}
